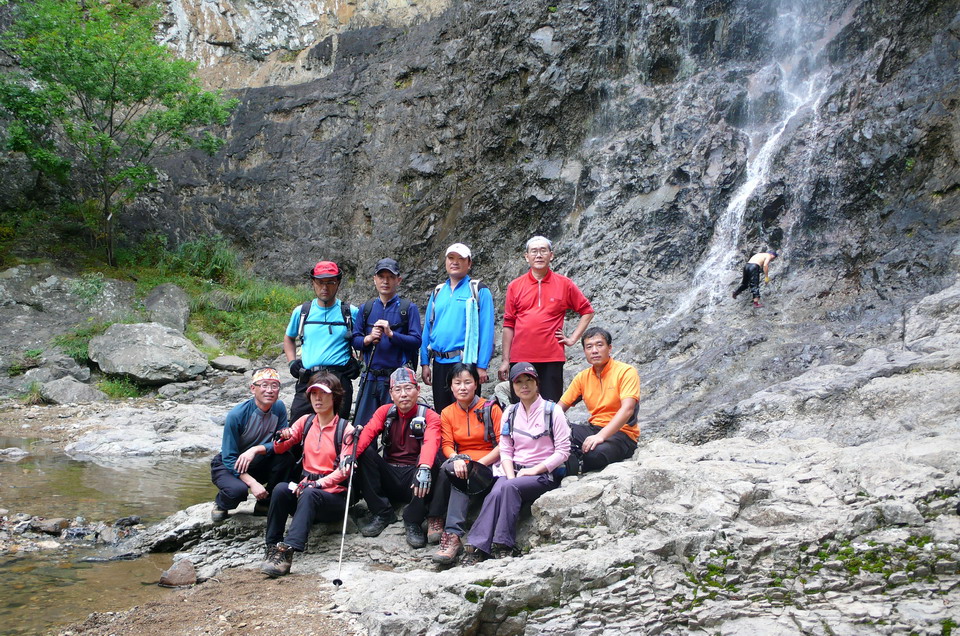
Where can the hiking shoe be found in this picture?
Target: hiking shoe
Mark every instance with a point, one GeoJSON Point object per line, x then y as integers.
{"type": "Point", "coordinates": [757, 304]}
{"type": "Point", "coordinates": [218, 514]}
{"type": "Point", "coordinates": [450, 549]}
{"type": "Point", "coordinates": [472, 556]}
{"type": "Point", "coordinates": [278, 563]}
{"type": "Point", "coordinates": [415, 536]}
{"type": "Point", "coordinates": [261, 508]}
{"type": "Point", "coordinates": [434, 529]}
{"type": "Point", "coordinates": [735, 294]}
{"type": "Point", "coordinates": [500, 551]}
{"type": "Point", "coordinates": [378, 524]}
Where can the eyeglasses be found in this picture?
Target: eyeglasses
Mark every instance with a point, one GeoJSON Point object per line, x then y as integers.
{"type": "Point", "coordinates": [267, 386]}
{"type": "Point", "coordinates": [326, 283]}
{"type": "Point", "coordinates": [403, 389]}
{"type": "Point", "coordinates": [538, 250]}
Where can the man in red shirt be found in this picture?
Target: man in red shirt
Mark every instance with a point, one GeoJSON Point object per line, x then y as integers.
{"type": "Point", "coordinates": [533, 316]}
{"type": "Point", "coordinates": [410, 434]}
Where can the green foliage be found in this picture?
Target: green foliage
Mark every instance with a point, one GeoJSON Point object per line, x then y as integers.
{"type": "Point", "coordinates": [248, 314]}
{"type": "Point", "coordinates": [96, 98]}
{"type": "Point", "coordinates": [120, 387]}
{"type": "Point", "coordinates": [29, 360]}
{"type": "Point", "coordinates": [946, 626]}
{"type": "Point", "coordinates": [76, 344]}
{"type": "Point", "coordinates": [32, 394]}
{"type": "Point", "coordinates": [88, 287]}
{"type": "Point", "coordinates": [472, 596]}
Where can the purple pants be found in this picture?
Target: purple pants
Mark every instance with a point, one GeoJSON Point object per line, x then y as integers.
{"type": "Point", "coordinates": [497, 522]}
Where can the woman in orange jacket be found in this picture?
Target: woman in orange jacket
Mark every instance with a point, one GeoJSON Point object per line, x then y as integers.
{"type": "Point", "coordinates": [470, 434]}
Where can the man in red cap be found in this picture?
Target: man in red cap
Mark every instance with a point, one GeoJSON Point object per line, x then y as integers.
{"type": "Point", "coordinates": [321, 330]}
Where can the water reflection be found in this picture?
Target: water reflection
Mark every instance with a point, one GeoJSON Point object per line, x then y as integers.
{"type": "Point", "coordinates": [54, 587]}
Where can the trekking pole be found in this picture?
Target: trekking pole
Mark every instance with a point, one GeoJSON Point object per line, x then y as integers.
{"type": "Point", "coordinates": [353, 464]}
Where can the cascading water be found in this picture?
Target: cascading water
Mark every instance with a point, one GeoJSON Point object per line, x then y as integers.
{"type": "Point", "coordinates": [801, 40]}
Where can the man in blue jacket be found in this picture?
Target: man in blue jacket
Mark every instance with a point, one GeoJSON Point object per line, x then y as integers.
{"type": "Point", "coordinates": [392, 325]}
{"type": "Point", "coordinates": [457, 326]}
{"type": "Point", "coordinates": [239, 468]}
{"type": "Point", "coordinates": [322, 328]}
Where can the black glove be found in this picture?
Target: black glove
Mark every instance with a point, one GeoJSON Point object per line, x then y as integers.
{"type": "Point", "coordinates": [296, 368]}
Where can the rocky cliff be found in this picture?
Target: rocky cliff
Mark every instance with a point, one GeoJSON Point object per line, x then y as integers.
{"type": "Point", "coordinates": [659, 144]}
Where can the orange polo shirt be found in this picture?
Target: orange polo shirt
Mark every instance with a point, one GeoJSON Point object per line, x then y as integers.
{"type": "Point", "coordinates": [462, 431]}
{"type": "Point", "coordinates": [602, 395]}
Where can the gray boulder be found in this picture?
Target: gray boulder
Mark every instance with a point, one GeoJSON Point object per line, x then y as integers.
{"type": "Point", "coordinates": [176, 430]}
{"type": "Point", "coordinates": [933, 324]}
{"type": "Point", "coordinates": [231, 363]}
{"type": "Point", "coordinates": [169, 305]}
{"type": "Point", "coordinates": [149, 353]}
{"type": "Point", "coordinates": [69, 391]}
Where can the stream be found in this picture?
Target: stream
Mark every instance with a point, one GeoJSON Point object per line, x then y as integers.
{"type": "Point", "coordinates": [50, 588]}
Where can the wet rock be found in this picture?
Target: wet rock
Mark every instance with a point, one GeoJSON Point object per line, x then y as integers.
{"type": "Point", "coordinates": [13, 454]}
{"type": "Point", "coordinates": [148, 352]}
{"type": "Point", "coordinates": [168, 305]}
{"type": "Point", "coordinates": [180, 574]}
{"type": "Point", "coordinates": [49, 526]}
{"type": "Point", "coordinates": [70, 391]}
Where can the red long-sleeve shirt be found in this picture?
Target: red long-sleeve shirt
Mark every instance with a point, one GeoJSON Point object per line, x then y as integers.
{"type": "Point", "coordinates": [535, 309]}
{"type": "Point", "coordinates": [404, 449]}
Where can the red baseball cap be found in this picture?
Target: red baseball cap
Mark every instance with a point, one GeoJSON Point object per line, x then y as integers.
{"type": "Point", "coordinates": [325, 269]}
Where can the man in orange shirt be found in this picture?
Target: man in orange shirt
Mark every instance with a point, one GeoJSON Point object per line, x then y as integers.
{"type": "Point", "coordinates": [610, 389]}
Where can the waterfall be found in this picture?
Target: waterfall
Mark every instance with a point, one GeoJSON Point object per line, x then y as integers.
{"type": "Point", "coordinates": [801, 90]}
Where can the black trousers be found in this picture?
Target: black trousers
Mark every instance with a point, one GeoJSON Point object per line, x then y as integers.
{"type": "Point", "coordinates": [442, 396]}
{"type": "Point", "coordinates": [383, 484]}
{"type": "Point", "coordinates": [551, 381]}
{"type": "Point", "coordinates": [269, 470]}
{"type": "Point", "coordinates": [616, 449]}
{"type": "Point", "coordinates": [311, 506]}
{"type": "Point", "coordinates": [301, 405]}
{"type": "Point", "coordinates": [751, 279]}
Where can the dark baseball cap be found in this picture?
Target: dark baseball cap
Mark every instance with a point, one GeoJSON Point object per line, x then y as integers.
{"type": "Point", "coordinates": [388, 264]}
{"type": "Point", "coordinates": [521, 368]}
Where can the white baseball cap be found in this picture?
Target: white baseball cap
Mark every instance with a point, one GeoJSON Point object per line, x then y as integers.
{"type": "Point", "coordinates": [459, 249]}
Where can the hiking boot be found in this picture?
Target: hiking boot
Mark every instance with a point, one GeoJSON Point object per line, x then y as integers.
{"type": "Point", "coordinates": [735, 294]}
{"type": "Point", "coordinates": [500, 551]}
{"type": "Point", "coordinates": [378, 524]}
{"type": "Point", "coordinates": [472, 556]}
{"type": "Point", "coordinates": [757, 304]}
{"type": "Point", "coordinates": [434, 529]}
{"type": "Point", "coordinates": [278, 563]}
{"type": "Point", "coordinates": [261, 508]}
{"type": "Point", "coordinates": [218, 514]}
{"type": "Point", "coordinates": [450, 549]}
{"type": "Point", "coordinates": [415, 536]}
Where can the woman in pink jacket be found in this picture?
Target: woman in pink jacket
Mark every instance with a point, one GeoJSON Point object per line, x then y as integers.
{"type": "Point", "coordinates": [534, 445]}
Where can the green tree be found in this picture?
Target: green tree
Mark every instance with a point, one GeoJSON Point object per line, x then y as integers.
{"type": "Point", "coordinates": [97, 100]}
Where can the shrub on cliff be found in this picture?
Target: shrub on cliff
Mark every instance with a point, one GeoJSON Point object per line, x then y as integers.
{"type": "Point", "coordinates": [96, 99]}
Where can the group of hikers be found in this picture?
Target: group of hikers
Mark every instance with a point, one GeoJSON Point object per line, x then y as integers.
{"type": "Point", "coordinates": [502, 451]}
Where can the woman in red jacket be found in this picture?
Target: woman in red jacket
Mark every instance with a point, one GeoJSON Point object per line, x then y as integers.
{"type": "Point", "coordinates": [321, 493]}
{"type": "Point", "coordinates": [470, 433]}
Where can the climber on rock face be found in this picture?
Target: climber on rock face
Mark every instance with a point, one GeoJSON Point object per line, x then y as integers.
{"type": "Point", "coordinates": [751, 274]}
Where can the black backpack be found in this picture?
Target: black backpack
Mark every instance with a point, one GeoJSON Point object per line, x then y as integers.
{"type": "Point", "coordinates": [403, 325]}
{"type": "Point", "coordinates": [337, 436]}
{"type": "Point", "coordinates": [485, 415]}
{"type": "Point", "coordinates": [392, 417]}
{"type": "Point", "coordinates": [305, 312]}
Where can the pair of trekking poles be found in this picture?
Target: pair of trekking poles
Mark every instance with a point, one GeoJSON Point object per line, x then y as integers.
{"type": "Point", "coordinates": [352, 461]}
